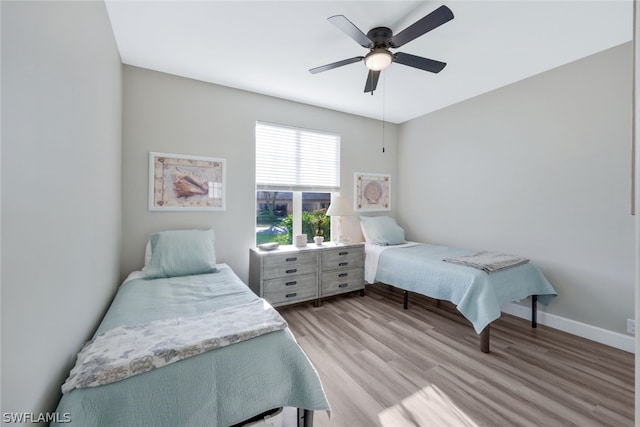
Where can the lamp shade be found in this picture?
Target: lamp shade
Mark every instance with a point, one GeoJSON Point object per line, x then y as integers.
{"type": "Point", "coordinates": [340, 206]}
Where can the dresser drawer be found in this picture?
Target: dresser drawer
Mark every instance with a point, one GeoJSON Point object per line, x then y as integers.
{"type": "Point", "coordinates": [284, 271]}
{"type": "Point", "coordinates": [336, 282]}
{"type": "Point", "coordinates": [290, 296]}
{"type": "Point", "coordinates": [291, 284]}
{"type": "Point", "coordinates": [286, 259]}
{"type": "Point", "coordinates": [342, 258]}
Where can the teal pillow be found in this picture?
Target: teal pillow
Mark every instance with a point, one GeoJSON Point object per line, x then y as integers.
{"type": "Point", "coordinates": [381, 230]}
{"type": "Point", "coordinates": [181, 253]}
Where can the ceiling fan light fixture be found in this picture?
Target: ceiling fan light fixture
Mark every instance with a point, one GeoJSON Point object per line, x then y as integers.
{"type": "Point", "coordinates": [378, 59]}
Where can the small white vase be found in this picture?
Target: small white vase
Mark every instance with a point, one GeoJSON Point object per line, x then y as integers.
{"type": "Point", "coordinates": [318, 240]}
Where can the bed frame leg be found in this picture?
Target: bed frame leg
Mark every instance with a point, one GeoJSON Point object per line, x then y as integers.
{"type": "Point", "coordinates": [534, 311]}
{"type": "Point", "coordinates": [305, 418]}
{"type": "Point", "coordinates": [484, 339]}
{"type": "Point", "coordinates": [406, 300]}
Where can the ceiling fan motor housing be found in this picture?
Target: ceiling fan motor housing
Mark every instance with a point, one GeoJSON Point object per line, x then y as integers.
{"type": "Point", "coordinates": [381, 37]}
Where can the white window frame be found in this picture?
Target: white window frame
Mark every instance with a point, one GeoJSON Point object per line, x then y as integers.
{"type": "Point", "coordinates": [298, 140]}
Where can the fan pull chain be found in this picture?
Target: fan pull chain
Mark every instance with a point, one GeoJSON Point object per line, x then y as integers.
{"type": "Point", "coordinates": [384, 90]}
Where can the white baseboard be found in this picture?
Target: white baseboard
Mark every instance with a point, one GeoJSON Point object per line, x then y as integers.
{"type": "Point", "coordinates": [593, 333]}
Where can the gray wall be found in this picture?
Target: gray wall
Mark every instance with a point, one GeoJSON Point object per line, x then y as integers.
{"type": "Point", "coordinates": [539, 168]}
{"type": "Point", "coordinates": [61, 209]}
{"type": "Point", "coordinates": [172, 114]}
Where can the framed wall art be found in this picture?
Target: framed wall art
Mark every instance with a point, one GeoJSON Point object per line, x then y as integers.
{"type": "Point", "coordinates": [186, 183]}
{"type": "Point", "coordinates": [372, 192]}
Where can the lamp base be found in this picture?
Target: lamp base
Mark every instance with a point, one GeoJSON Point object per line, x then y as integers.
{"type": "Point", "coordinates": [341, 240]}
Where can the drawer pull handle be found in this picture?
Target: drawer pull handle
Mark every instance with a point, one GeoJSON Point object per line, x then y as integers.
{"type": "Point", "coordinates": [343, 253]}
{"type": "Point", "coordinates": [343, 285]}
{"type": "Point", "coordinates": [291, 283]}
{"type": "Point", "coordinates": [291, 295]}
{"type": "Point", "coordinates": [343, 274]}
{"type": "Point", "coordinates": [342, 264]}
{"type": "Point", "coordinates": [292, 259]}
{"type": "Point", "coordinates": [293, 270]}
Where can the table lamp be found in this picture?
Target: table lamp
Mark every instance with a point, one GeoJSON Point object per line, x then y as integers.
{"type": "Point", "coordinates": [340, 206]}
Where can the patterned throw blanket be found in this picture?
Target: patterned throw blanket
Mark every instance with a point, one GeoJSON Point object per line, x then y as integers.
{"type": "Point", "coordinates": [489, 262]}
{"type": "Point", "coordinates": [134, 349]}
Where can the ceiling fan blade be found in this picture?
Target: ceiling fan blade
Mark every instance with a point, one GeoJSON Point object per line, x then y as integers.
{"type": "Point", "coordinates": [433, 20]}
{"type": "Point", "coordinates": [372, 81]}
{"type": "Point", "coordinates": [419, 62]}
{"type": "Point", "coordinates": [333, 65]}
{"type": "Point", "coordinates": [351, 30]}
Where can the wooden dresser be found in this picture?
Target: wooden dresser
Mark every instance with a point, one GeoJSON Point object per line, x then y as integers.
{"type": "Point", "coordinates": [289, 274]}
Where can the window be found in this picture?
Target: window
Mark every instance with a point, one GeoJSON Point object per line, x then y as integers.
{"type": "Point", "coordinates": [297, 170]}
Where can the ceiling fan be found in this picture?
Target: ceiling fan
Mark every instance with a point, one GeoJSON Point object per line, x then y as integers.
{"type": "Point", "coordinates": [378, 40]}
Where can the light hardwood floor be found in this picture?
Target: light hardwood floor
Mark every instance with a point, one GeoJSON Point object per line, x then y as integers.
{"type": "Point", "coordinates": [384, 366]}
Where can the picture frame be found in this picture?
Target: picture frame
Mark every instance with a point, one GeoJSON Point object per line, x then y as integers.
{"type": "Point", "coordinates": [179, 182]}
{"type": "Point", "coordinates": [372, 192]}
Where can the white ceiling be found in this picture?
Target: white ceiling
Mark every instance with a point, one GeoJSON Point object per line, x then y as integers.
{"type": "Point", "coordinates": [268, 46]}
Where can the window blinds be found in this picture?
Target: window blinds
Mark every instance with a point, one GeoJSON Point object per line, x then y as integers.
{"type": "Point", "coordinates": [294, 159]}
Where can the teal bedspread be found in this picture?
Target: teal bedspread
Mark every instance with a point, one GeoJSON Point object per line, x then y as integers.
{"type": "Point", "coordinates": [217, 388]}
{"type": "Point", "coordinates": [476, 294]}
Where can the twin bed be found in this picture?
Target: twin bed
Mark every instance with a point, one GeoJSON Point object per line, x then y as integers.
{"type": "Point", "coordinates": [444, 273]}
{"type": "Point", "coordinates": [225, 386]}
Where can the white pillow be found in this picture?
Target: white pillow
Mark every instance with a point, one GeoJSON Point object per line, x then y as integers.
{"type": "Point", "coordinates": [147, 255]}
{"type": "Point", "coordinates": [381, 230]}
